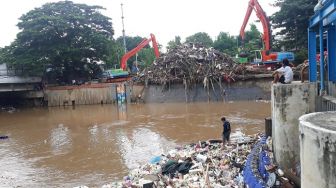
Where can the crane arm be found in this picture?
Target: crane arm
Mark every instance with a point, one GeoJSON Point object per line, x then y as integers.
{"type": "Point", "coordinates": [246, 19]}
{"type": "Point", "coordinates": [254, 5]}
{"type": "Point", "coordinates": [138, 48]}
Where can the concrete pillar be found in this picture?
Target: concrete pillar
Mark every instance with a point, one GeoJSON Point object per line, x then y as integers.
{"type": "Point", "coordinates": [318, 150]}
{"type": "Point", "coordinates": [289, 102]}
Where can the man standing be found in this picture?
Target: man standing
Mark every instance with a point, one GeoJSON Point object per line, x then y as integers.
{"type": "Point", "coordinates": [226, 131]}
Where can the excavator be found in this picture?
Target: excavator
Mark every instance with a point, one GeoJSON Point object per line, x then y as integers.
{"type": "Point", "coordinates": [123, 63]}
{"type": "Point", "coordinates": [264, 56]}
{"type": "Point", "coordinates": [118, 75]}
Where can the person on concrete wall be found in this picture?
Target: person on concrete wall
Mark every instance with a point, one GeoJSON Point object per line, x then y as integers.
{"type": "Point", "coordinates": [226, 131]}
{"type": "Point", "coordinates": [304, 73]}
{"type": "Point", "coordinates": [284, 74]}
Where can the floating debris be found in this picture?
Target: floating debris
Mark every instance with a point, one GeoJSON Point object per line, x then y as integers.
{"type": "Point", "coordinates": [2, 137]}
{"type": "Point", "coordinates": [9, 109]}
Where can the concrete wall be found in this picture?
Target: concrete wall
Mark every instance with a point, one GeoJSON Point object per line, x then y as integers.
{"type": "Point", "coordinates": [106, 93]}
{"type": "Point", "coordinates": [3, 69]}
{"type": "Point", "coordinates": [94, 94]}
{"type": "Point", "coordinates": [318, 150]}
{"type": "Point", "coordinates": [332, 89]}
{"type": "Point", "coordinates": [256, 89]}
{"type": "Point", "coordinates": [289, 102]}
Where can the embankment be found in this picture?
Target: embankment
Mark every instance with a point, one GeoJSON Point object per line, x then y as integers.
{"type": "Point", "coordinates": [256, 88]}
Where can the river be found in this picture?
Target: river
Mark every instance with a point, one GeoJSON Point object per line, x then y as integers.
{"type": "Point", "coordinates": [95, 145]}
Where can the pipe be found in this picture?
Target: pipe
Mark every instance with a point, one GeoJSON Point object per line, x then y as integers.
{"type": "Point", "coordinates": [321, 60]}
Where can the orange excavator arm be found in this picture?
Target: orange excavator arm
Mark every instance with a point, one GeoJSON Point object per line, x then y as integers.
{"type": "Point", "coordinates": [123, 63]}
{"type": "Point", "coordinates": [254, 5]}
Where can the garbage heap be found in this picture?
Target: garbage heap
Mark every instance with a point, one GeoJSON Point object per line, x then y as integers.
{"type": "Point", "coordinates": [248, 160]}
{"type": "Point", "coordinates": [191, 63]}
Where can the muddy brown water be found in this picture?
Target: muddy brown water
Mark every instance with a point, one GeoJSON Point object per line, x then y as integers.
{"type": "Point", "coordinates": [95, 145]}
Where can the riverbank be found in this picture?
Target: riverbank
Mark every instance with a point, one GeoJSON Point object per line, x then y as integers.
{"type": "Point", "coordinates": [246, 88]}
{"type": "Point", "coordinates": [246, 161]}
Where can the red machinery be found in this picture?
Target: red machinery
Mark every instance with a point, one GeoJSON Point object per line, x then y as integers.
{"type": "Point", "coordinates": [131, 53]}
{"type": "Point", "coordinates": [265, 53]}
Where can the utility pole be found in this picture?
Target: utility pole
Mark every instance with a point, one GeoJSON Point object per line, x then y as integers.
{"type": "Point", "coordinates": [123, 30]}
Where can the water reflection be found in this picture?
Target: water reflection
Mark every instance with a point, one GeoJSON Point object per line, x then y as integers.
{"type": "Point", "coordinates": [141, 145]}
{"type": "Point", "coordinates": [122, 111]}
{"type": "Point", "coordinates": [92, 145]}
{"type": "Point", "coordinates": [60, 140]}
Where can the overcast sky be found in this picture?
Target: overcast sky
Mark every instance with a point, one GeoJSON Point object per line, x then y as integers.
{"type": "Point", "coordinates": [164, 18]}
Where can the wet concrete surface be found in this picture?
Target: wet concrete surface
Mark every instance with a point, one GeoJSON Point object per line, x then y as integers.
{"type": "Point", "coordinates": [94, 145]}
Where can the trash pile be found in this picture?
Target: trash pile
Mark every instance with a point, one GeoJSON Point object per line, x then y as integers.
{"type": "Point", "coordinates": [191, 63]}
{"type": "Point", "coordinates": [245, 161]}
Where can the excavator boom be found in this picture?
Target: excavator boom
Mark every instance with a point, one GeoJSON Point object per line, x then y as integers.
{"type": "Point", "coordinates": [254, 5]}
{"type": "Point", "coordinates": [123, 63]}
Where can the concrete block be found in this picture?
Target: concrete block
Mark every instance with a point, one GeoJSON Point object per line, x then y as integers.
{"type": "Point", "coordinates": [318, 150]}
{"type": "Point", "coordinates": [289, 102]}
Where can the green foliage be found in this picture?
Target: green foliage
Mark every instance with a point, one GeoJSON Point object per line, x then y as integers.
{"type": "Point", "coordinates": [67, 38]}
{"type": "Point", "coordinates": [173, 43]}
{"type": "Point", "coordinates": [300, 56]}
{"type": "Point", "coordinates": [292, 20]}
{"type": "Point", "coordinates": [200, 37]}
{"type": "Point", "coordinates": [226, 43]}
{"type": "Point", "coordinates": [116, 52]}
{"type": "Point", "coordinates": [147, 56]}
{"type": "Point", "coordinates": [252, 42]}
{"type": "Point", "coordinates": [131, 42]}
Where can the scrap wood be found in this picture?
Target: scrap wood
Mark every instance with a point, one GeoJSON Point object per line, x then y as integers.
{"type": "Point", "coordinates": [192, 61]}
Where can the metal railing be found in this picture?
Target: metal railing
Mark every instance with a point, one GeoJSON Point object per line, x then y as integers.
{"type": "Point", "coordinates": [11, 72]}
{"type": "Point", "coordinates": [326, 103]}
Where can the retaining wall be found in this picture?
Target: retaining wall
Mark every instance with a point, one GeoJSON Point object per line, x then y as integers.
{"type": "Point", "coordinates": [84, 94]}
{"type": "Point", "coordinates": [255, 89]}
{"type": "Point", "coordinates": [289, 102]}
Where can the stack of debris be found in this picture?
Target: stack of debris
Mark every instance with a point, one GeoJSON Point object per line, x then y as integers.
{"type": "Point", "coordinates": [191, 63]}
{"type": "Point", "coordinates": [203, 164]}
{"type": "Point", "coordinates": [208, 164]}
{"type": "Point", "coordinates": [247, 161]}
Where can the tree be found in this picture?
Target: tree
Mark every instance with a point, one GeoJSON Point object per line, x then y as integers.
{"type": "Point", "coordinates": [174, 43]}
{"type": "Point", "coordinates": [146, 57]}
{"type": "Point", "coordinates": [131, 42]}
{"type": "Point", "coordinates": [200, 37]}
{"type": "Point", "coordinates": [116, 52]}
{"type": "Point", "coordinates": [251, 42]}
{"type": "Point", "coordinates": [226, 43]}
{"type": "Point", "coordinates": [292, 20]}
{"type": "Point", "coordinates": [67, 38]}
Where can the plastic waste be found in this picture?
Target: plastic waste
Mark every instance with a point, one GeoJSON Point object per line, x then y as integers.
{"type": "Point", "coordinates": [155, 160]}
{"type": "Point", "coordinates": [201, 158]}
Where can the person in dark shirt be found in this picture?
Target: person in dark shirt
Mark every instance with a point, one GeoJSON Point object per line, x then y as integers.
{"type": "Point", "coordinates": [226, 130]}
